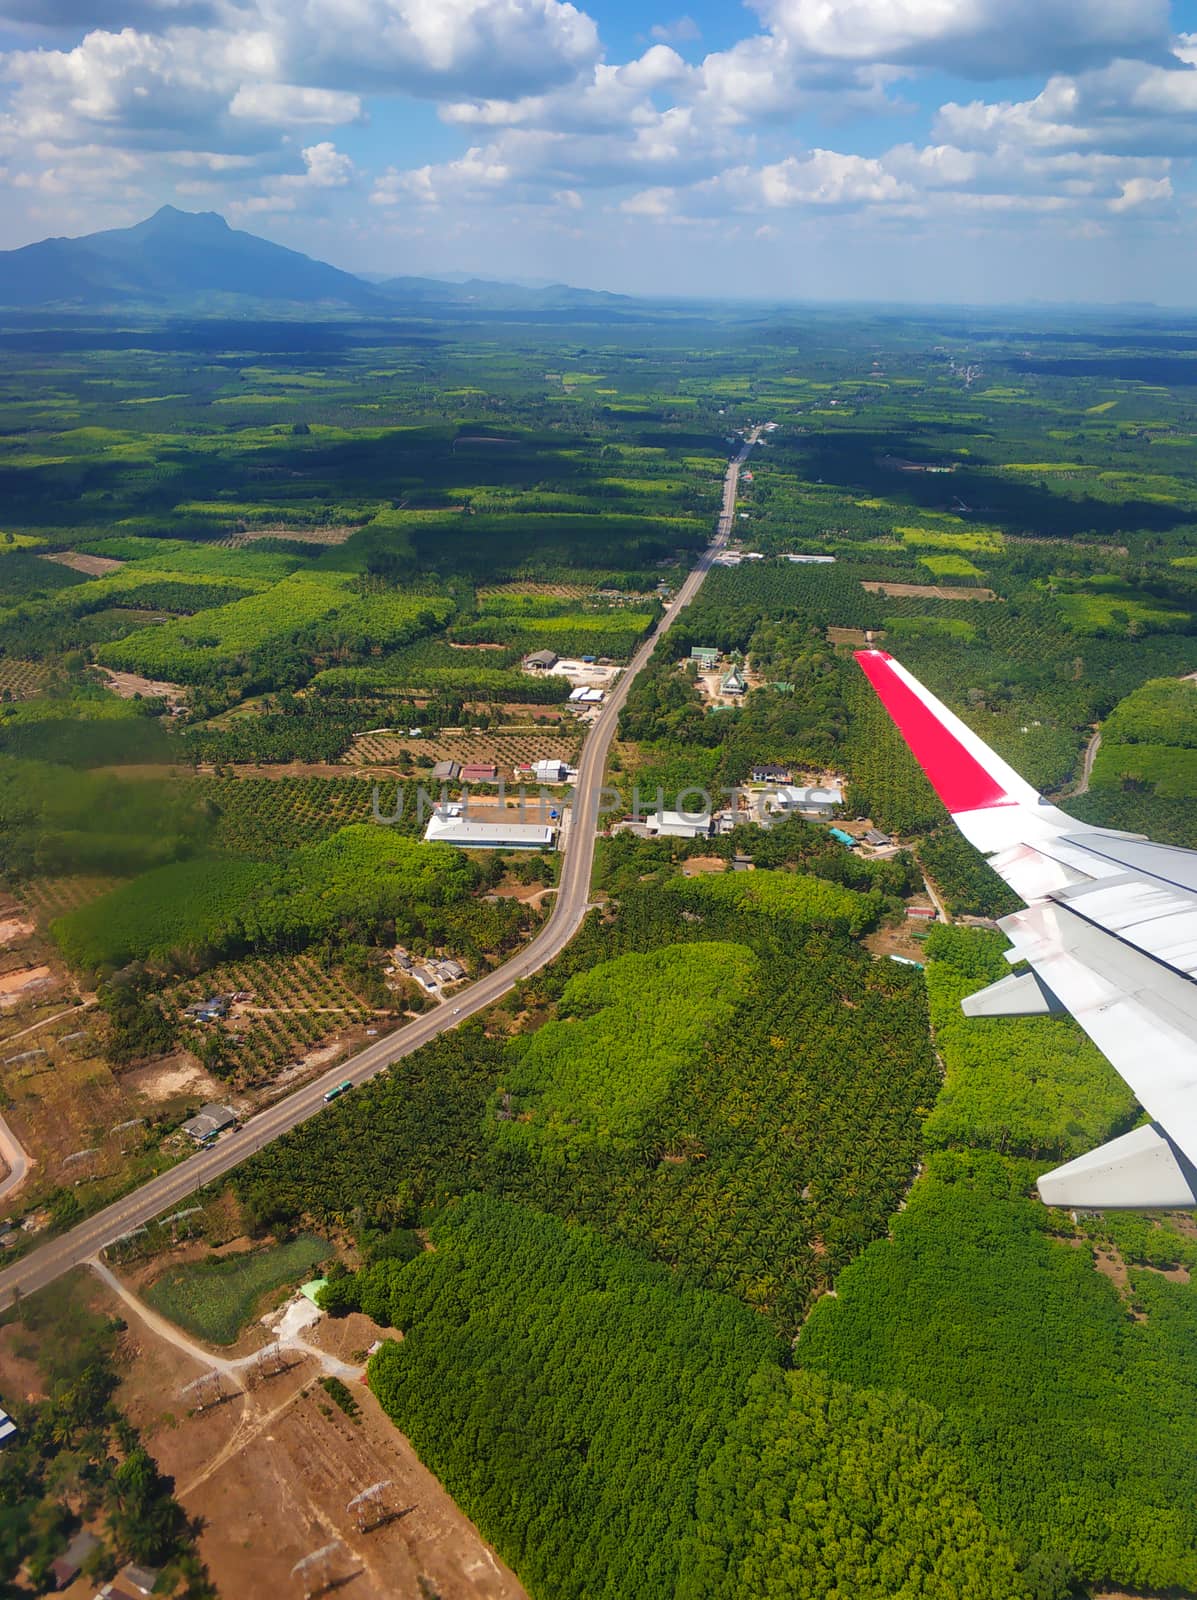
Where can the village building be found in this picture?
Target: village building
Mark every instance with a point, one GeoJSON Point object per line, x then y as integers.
{"type": "Point", "coordinates": [448, 825]}
{"type": "Point", "coordinates": [813, 800]}
{"type": "Point", "coordinates": [208, 1122]}
{"type": "Point", "coordinates": [679, 825]}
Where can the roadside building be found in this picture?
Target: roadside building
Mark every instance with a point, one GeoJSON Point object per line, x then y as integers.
{"type": "Point", "coordinates": [679, 825]}
{"type": "Point", "coordinates": [446, 772]}
{"type": "Point", "coordinates": [448, 826]}
{"type": "Point", "coordinates": [540, 661]}
{"type": "Point", "coordinates": [479, 772]}
{"type": "Point", "coordinates": [208, 1122]}
{"type": "Point", "coordinates": [813, 800]}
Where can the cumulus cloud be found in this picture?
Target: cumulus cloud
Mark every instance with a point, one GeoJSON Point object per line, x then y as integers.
{"type": "Point", "coordinates": [498, 48]}
{"type": "Point", "coordinates": [289, 105]}
{"type": "Point", "coordinates": [977, 38]}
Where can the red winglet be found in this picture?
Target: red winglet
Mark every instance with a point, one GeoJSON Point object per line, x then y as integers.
{"type": "Point", "coordinates": [956, 775]}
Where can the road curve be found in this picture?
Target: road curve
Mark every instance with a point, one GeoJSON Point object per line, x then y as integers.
{"type": "Point", "coordinates": [50, 1260]}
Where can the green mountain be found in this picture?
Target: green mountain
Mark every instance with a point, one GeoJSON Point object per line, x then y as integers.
{"type": "Point", "coordinates": [173, 257]}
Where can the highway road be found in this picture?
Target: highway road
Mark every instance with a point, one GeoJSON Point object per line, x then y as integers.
{"type": "Point", "coordinates": [167, 1191]}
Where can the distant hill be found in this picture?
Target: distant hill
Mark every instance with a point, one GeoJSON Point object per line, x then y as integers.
{"type": "Point", "coordinates": [192, 260]}
{"type": "Point", "coordinates": [173, 257]}
{"type": "Point", "coordinates": [489, 295]}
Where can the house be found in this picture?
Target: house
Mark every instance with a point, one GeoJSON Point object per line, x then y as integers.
{"type": "Point", "coordinates": [479, 772]}
{"type": "Point", "coordinates": [764, 773]}
{"type": "Point", "coordinates": [131, 1580]}
{"type": "Point", "coordinates": [446, 772]}
{"type": "Point", "coordinates": [815, 800]}
{"type": "Point", "coordinates": [734, 683]}
{"type": "Point", "coordinates": [448, 826]}
{"type": "Point", "coordinates": [679, 825]}
{"type": "Point", "coordinates": [69, 1564]}
{"type": "Point", "coordinates": [705, 656]}
{"type": "Point", "coordinates": [550, 771]}
{"type": "Point", "coordinates": [541, 661]}
{"type": "Point", "coordinates": [208, 1122]}
{"type": "Point", "coordinates": [8, 1429]}
{"type": "Point", "coordinates": [209, 1010]}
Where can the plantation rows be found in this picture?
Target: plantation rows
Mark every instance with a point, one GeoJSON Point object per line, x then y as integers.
{"type": "Point", "coordinates": [295, 1005]}
{"type": "Point", "coordinates": [256, 816]}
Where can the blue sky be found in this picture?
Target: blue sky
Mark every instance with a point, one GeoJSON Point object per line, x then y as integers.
{"type": "Point", "coordinates": [922, 150]}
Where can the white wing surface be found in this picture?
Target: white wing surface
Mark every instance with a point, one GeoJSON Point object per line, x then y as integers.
{"type": "Point", "coordinates": [1109, 934]}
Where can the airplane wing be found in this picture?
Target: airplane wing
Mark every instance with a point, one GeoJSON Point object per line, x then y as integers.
{"type": "Point", "coordinates": [1109, 934]}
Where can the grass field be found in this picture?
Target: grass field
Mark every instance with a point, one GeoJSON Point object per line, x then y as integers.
{"type": "Point", "coordinates": [214, 1299]}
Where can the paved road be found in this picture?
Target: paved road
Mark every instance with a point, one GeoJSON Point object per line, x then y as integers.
{"type": "Point", "coordinates": [169, 1189]}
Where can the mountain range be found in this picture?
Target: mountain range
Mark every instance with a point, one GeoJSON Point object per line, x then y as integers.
{"type": "Point", "coordinates": [184, 259]}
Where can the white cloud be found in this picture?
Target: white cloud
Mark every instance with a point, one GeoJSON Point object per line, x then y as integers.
{"type": "Point", "coordinates": [978, 38]}
{"type": "Point", "coordinates": [476, 171]}
{"type": "Point", "coordinates": [499, 48]}
{"type": "Point", "coordinates": [682, 30]}
{"type": "Point", "coordinates": [289, 105]}
{"type": "Point", "coordinates": [1140, 193]}
{"type": "Point", "coordinates": [261, 204]}
{"type": "Point", "coordinates": [327, 167]}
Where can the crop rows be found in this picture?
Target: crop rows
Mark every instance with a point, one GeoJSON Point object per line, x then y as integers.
{"type": "Point", "coordinates": [272, 814]}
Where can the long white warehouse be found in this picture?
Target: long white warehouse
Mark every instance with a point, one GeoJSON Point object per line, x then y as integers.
{"type": "Point", "coordinates": [470, 834]}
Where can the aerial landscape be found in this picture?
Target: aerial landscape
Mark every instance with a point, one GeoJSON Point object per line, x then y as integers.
{"type": "Point", "coordinates": [597, 907]}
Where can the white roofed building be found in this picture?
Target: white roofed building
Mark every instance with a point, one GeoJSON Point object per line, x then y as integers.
{"type": "Point", "coordinates": [813, 800]}
{"type": "Point", "coordinates": [679, 824]}
{"type": "Point", "coordinates": [448, 826]}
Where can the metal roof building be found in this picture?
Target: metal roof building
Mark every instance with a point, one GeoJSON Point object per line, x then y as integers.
{"type": "Point", "coordinates": [209, 1121]}
{"type": "Point", "coordinates": [679, 824]}
{"type": "Point", "coordinates": [471, 835]}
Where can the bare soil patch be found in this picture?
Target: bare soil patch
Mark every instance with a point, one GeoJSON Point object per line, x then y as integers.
{"type": "Point", "coordinates": [173, 1075]}
{"type": "Point", "coordinates": [18, 986]}
{"type": "Point", "coordinates": [857, 637]}
{"type": "Point", "coordinates": [927, 591]}
{"type": "Point", "coordinates": [93, 566]}
{"type": "Point", "coordinates": [127, 685]}
{"type": "Point", "coordinates": [897, 941]}
{"type": "Point", "coordinates": [271, 1472]}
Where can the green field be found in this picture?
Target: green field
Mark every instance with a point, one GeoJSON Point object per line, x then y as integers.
{"type": "Point", "coordinates": [215, 1299]}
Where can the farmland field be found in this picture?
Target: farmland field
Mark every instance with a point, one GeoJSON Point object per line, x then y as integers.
{"type": "Point", "coordinates": [214, 1299]}
{"type": "Point", "coordinates": [319, 553]}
